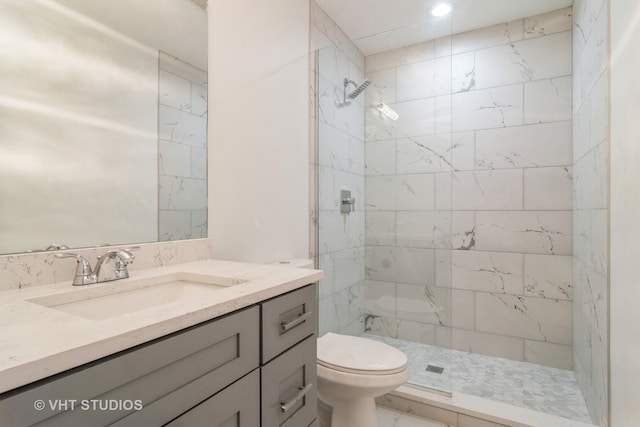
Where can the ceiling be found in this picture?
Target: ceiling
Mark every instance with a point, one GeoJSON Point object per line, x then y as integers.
{"type": "Point", "coordinates": [379, 25]}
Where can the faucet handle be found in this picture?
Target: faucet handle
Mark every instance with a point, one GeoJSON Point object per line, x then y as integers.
{"type": "Point", "coordinates": [84, 274]}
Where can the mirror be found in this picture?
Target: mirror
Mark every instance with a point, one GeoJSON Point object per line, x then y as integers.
{"type": "Point", "coordinates": [103, 112]}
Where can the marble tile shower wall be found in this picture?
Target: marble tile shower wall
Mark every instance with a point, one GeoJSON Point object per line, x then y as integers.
{"type": "Point", "coordinates": [590, 203]}
{"type": "Point", "coordinates": [182, 153]}
{"type": "Point", "coordinates": [468, 194]}
{"type": "Point", "coordinates": [340, 163]}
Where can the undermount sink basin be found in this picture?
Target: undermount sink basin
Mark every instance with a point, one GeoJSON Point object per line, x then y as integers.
{"type": "Point", "coordinates": [120, 298]}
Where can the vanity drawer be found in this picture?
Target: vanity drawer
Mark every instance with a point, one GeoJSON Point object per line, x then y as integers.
{"type": "Point", "coordinates": [289, 387]}
{"type": "Point", "coordinates": [236, 406]}
{"type": "Point", "coordinates": [287, 320]}
{"type": "Point", "coordinates": [189, 365]}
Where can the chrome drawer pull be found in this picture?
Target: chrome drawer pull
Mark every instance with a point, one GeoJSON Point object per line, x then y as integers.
{"type": "Point", "coordinates": [284, 327]}
{"type": "Point", "coordinates": [284, 407]}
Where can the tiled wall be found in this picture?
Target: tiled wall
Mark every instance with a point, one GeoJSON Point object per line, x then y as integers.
{"type": "Point", "coordinates": [484, 131]}
{"type": "Point", "coordinates": [590, 202]}
{"type": "Point", "coordinates": [408, 188]}
{"type": "Point", "coordinates": [182, 150]}
{"type": "Point", "coordinates": [340, 163]}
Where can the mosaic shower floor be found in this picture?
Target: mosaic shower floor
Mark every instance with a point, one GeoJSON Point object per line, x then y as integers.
{"type": "Point", "coordinates": [540, 388]}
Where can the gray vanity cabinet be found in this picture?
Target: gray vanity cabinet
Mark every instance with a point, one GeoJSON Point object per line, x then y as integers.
{"type": "Point", "coordinates": [289, 387]}
{"type": "Point", "coordinates": [235, 406]}
{"type": "Point", "coordinates": [289, 373]}
{"type": "Point", "coordinates": [230, 371]}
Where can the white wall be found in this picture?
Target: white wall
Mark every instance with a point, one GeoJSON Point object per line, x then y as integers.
{"type": "Point", "coordinates": [625, 212]}
{"type": "Point", "coordinates": [258, 129]}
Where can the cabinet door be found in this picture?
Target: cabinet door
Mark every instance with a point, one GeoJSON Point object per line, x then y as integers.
{"type": "Point", "coordinates": [167, 376]}
{"type": "Point", "coordinates": [287, 320]}
{"type": "Point", "coordinates": [236, 406]}
{"type": "Point", "coordinates": [289, 387]}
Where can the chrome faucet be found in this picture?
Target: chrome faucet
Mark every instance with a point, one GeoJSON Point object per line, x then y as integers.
{"type": "Point", "coordinates": [84, 274]}
{"type": "Point", "coordinates": [113, 265]}
{"type": "Point", "coordinates": [110, 266]}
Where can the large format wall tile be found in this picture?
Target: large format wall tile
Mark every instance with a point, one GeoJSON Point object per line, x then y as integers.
{"type": "Point", "coordinates": [494, 35]}
{"type": "Point", "coordinates": [423, 154]}
{"type": "Point", "coordinates": [339, 231]}
{"type": "Point", "coordinates": [415, 192]}
{"type": "Point", "coordinates": [489, 344]}
{"type": "Point", "coordinates": [591, 179]}
{"type": "Point", "coordinates": [424, 304]}
{"type": "Point", "coordinates": [548, 100]}
{"type": "Point", "coordinates": [463, 72]}
{"type": "Point", "coordinates": [488, 108]}
{"type": "Point", "coordinates": [487, 190]}
{"type": "Point", "coordinates": [524, 146]}
{"type": "Point", "coordinates": [542, 232]}
{"type": "Point", "coordinates": [548, 276]}
{"type": "Point", "coordinates": [543, 353]}
{"type": "Point", "coordinates": [470, 190]}
{"type": "Point", "coordinates": [487, 271]}
{"type": "Point", "coordinates": [424, 79]}
{"type": "Point", "coordinates": [404, 265]}
{"type": "Point", "coordinates": [548, 188]}
{"type": "Point", "coordinates": [378, 154]}
{"type": "Point", "coordinates": [424, 229]}
{"type": "Point", "coordinates": [548, 23]}
{"type": "Point", "coordinates": [405, 55]}
{"type": "Point", "coordinates": [533, 318]}
{"type": "Point", "coordinates": [380, 228]}
{"type": "Point", "coordinates": [380, 298]}
{"type": "Point", "coordinates": [524, 61]}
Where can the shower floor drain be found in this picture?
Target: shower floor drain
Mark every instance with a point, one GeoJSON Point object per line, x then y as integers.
{"type": "Point", "coordinates": [435, 369]}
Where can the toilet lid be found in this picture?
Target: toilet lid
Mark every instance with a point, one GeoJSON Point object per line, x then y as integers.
{"type": "Point", "coordinates": [359, 355]}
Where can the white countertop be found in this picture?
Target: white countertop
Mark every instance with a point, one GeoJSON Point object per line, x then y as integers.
{"type": "Point", "coordinates": [37, 342]}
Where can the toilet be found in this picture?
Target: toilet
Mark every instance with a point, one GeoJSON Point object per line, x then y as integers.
{"type": "Point", "coordinates": [352, 372]}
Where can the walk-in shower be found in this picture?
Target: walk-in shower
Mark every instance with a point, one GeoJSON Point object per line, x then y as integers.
{"type": "Point", "coordinates": [459, 248]}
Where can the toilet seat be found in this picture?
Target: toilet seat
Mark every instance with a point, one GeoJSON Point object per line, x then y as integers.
{"type": "Point", "coordinates": [358, 355]}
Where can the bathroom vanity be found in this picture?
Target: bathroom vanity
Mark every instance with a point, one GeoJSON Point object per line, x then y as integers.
{"type": "Point", "coordinates": [245, 355]}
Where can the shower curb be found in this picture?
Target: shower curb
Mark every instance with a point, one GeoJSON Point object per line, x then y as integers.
{"type": "Point", "coordinates": [463, 410]}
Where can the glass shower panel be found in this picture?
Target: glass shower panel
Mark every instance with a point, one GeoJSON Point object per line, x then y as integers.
{"type": "Point", "coordinates": [384, 134]}
{"type": "Point", "coordinates": [341, 181]}
{"type": "Point", "coordinates": [408, 224]}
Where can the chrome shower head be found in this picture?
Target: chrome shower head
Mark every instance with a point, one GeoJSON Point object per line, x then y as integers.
{"type": "Point", "coordinates": [358, 90]}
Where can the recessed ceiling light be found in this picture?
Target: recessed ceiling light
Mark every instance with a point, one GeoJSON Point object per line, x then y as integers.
{"type": "Point", "coordinates": [441, 9]}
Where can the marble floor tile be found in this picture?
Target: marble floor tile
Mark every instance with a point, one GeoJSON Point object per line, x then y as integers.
{"type": "Point", "coordinates": [540, 388]}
